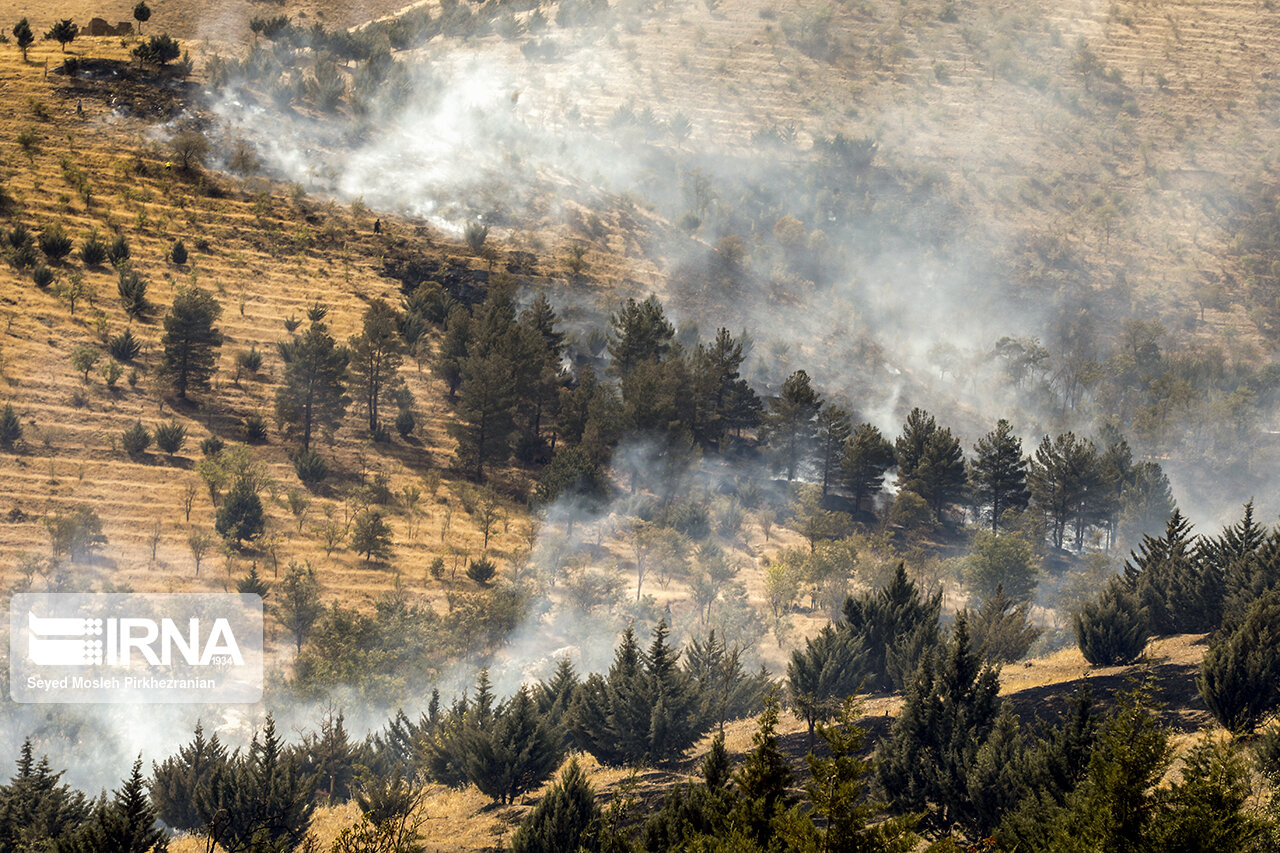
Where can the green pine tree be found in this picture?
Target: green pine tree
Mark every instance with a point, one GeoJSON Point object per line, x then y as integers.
{"type": "Point", "coordinates": [999, 474]}
{"type": "Point", "coordinates": [191, 341]}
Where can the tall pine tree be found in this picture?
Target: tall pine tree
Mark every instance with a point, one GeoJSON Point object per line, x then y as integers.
{"type": "Point", "coordinates": [999, 474]}
{"type": "Point", "coordinates": [190, 339]}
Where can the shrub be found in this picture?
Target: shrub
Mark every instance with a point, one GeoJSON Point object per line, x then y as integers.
{"type": "Point", "coordinates": [212, 446]}
{"type": "Point", "coordinates": [133, 293]}
{"type": "Point", "coordinates": [310, 467]}
{"type": "Point", "coordinates": [482, 570]}
{"type": "Point", "coordinates": [124, 346]}
{"type": "Point", "coordinates": [170, 437]}
{"type": "Point", "coordinates": [1240, 675]}
{"type": "Point", "coordinates": [240, 518]}
{"type": "Point", "coordinates": [136, 439]}
{"type": "Point", "coordinates": [42, 276]}
{"type": "Point", "coordinates": [1113, 629]}
{"type": "Point", "coordinates": [562, 819]}
{"type": "Point", "coordinates": [54, 242]}
{"type": "Point", "coordinates": [405, 423]}
{"type": "Point", "coordinates": [10, 427]}
{"type": "Point", "coordinates": [178, 254]}
{"type": "Point", "coordinates": [255, 429]}
{"type": "Point", "coordinates": [475, 234]}
{"type": "Point", "coordinates": [94, 250]}
{"type": "Point", "coordinates": [118, 251]}
{"type": "Point", "coordinates": [158, 50]}
{"type": "Point", "coordinates": [24, 257]}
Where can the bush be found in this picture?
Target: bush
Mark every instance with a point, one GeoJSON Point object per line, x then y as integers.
{"type": "Point", "coordinates": [54, 242]}
{"type": "Point", "coordinates": [310, 467]}
{"type": "Point", "coordinates": [255, 429]}
{"type": "Point", "coordinates": [212, 446]}
{"type": "Point", "coordinates": [562, 819]}
{"type": "Point", "coordinates": [178, 254]}
{"type": "Point", "coordinates": [136, 439]}
{"type": "Point", "coordinates": [170, 437]}
{"type": "Point", "coordinates": [18, 236]}
{"type": "Point", "coordinates": [240, 518]}
{"type": "Point", "coordinates": [24, 257]}
{"type": "Point", "coordinates": [133, 293]}
{"type": "Point", "coordinates": [1113, 629]}
{"type": "Point", "coordinates": [118, 251]}
{"type": "Point", "coordinates": [124, 346]}
{"type": "Point", "coordinates": [42, 276]}
{"type": "Point", "coordinates": [94, 250]}
{"type": "Point", "coordinates": [10, 427]}
{"type": "Point", "coordinates": [405, 423]}
{"type": "Point", "coordinates": [1240, 676]}
{"type": "Point", "coordinates": [158, 50]}
{"type": "Point", "coordinates": [482, 570]}
{"type": "Point", "coordinates": [475, 234]}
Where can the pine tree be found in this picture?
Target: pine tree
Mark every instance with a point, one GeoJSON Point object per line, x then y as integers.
{"type": "Point", "coordinates": [555, 697]}
{"type": "Point", "coordinates": [790, 426]}
{"type": "Point", "coordinates": [999, 475]}
{"type": "Point", "coordinates": [331, 761]}
{"type": "Point", "coordinates": [727, 692]}
{"type": "Point", "coordinates": [261, 801]}
{"type": "Point", "coordinates": [1240, 675]}
{"type": "Point", "coordinates": [297, 602]}
{"type": "Point", "coordinates": [514, 752]}
{"type": "Point", "coordinates": [37, 810]}
{"type": "Point", "coordinates": [646, 708]}
{"type": "Point", "coordinates": [191, 341]}
{"type": "Point", "coordinates": [930, 461]}
{"type": "Point", "coordinates": [867, 455]}
{"type": "Point", "coordinates": [1113, 629]}
{"type": "Point", "coordinates": [829, 670]}
{"type": "Point", "coordinates": [1062, 472]}
{"type": "Point", "coordinates": [125, 825]}
{"type": "Point", "coordinates": [240, 518]}
{"type": "Point", "coordinates": [640, 332]}
{"type": "Point", "coordinates": [1182, 591]}
{"type": "Point", "coordinates": [1001, 630]}
{"type": "Point", "coordinates": [543, 377]}
{"type": "Point", "coordinates": [181, 782]}
{"type": "Point", "coordinates": [762, 783]}
{"type": "Point", "coordinates": [10, 427]}
{"type": "Point", "coordinates": [312, 391]}
{"type": "Point", "coordinates": [376, 354]}
{"type": "Point", "coordinates": [898, 626]}
{"type": "Point", "coordinates": [453, 349]}
{"type": "Point", "coordinates": [947, 715]}
{"type": "Point", "coordinates": [694, 812]}
{"type": "Point", "coordinates": [371, 536]}
{"type": "Point", "coordinates": [488, 391]}
{"type": "Point", "coordinates": [724, 401]}
{"type": "Point", "coordinates": [63, 32]}
{"type": "Point", "coordinates": [23, 35]}
{"type": "Point", "coordinates": [563, 820]}
{"type": "Point", "coordinates": [835, 427]}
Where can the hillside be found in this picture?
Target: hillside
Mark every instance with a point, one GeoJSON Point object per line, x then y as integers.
{"type": "Point", "coordinates": [869, 231]}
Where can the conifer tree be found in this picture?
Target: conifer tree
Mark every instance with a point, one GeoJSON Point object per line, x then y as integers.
{"type": "Point", "coordinates": [1112, 629]}
{"type": "Point", "coordinates": [930, 461]}
{"type": "Point", "coordinates": [724, 401]}
{"type": "Point", "coordinates": [37, 809]}
{"type": "Point", "coordinates": [240, 518]}
{"type": "Point", "coordinates": [376, 354]}
{"type": "Point", "coordinates": [820, 677]}
{"type": "Point", "coordinates": [835, 427]}
{"type": "Point", "coordinates": [181, 781]}
{"type": "Point", "coordinates": [515, 752]}
{"type": "Point", "coordinates": [10, 427]}
{"type": "Point", "coordinates": [261, 801]}
{"type": "Point", "coordinates": [563, 820]}
{"type": "Point", "coordinates": [727, 692]}
{"type": "Point", "coordinates": [999, 474]}
{"type": "Point", "coordinates": [453, 350]}
{"type": "Point", "coordinates": [790, 425]}
{"type": "Point", "coordinates": [1240, 675]}
{"type": "Point", "coordinates": [1001, 629]}
{"type": "Point", "coordinates": [1182, 591]}
{"type": "Point", "coordinates": [946, 717]}
{"type": "Point", "coordinates": [898, 627]}
{"type": "Point", "coordinates": [312, 393]}
{"type": "Point", "coordinates": [867, 455]}
{"type": "Point", "coordinates": [191, 341]}
{"type": "Point", "coordinates": [488, 391]}
{"type": "Point", "coordinates": [762, 783]}
{"type": "Point", "coordinates": [24, 36]}
{"type": "Point", "coordinates": [1063, 474]}
{"type": "Point", "coordinates": [126, 824]}
{"type": "Point", "coordinates": [639, 332]}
